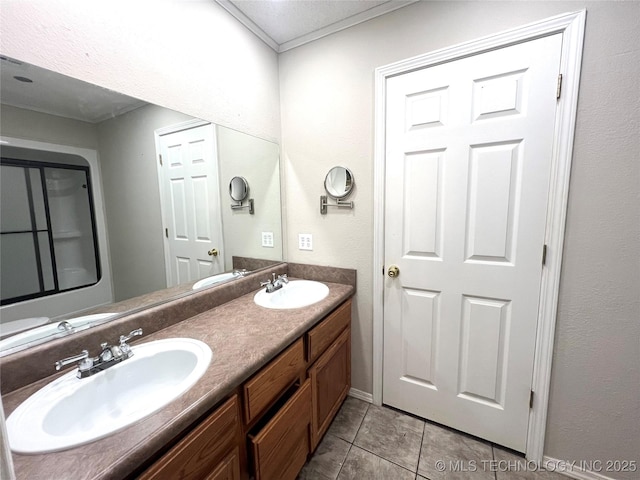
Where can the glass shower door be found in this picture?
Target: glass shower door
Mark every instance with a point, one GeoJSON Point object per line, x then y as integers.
{"type": "Point", "coordinates": [48, 242]}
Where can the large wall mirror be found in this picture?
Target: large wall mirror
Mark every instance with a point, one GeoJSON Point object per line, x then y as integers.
{"type": "Point", "coordinates": [157, 182]}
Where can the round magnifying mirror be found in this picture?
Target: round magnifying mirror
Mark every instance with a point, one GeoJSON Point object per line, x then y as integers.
{"type": "Point", "coordinates": [238, 189]}
{"type": "Point", "coordinates": [339, 182]}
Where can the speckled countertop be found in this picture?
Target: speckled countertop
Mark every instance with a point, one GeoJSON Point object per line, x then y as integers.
{"type": "Point", "coordinates": [243, 337]}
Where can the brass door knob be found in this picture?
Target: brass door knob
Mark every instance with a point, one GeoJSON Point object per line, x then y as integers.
{"type": "Point", "coordinates": [213, 252]}
{"type": "Point", "coordinates": [393, 271]}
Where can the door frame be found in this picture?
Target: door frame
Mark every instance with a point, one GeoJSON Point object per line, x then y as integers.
{"type": "Point", "coordinates": [168, 130]}
{"type": "Point", "coordinates": [571, 26]}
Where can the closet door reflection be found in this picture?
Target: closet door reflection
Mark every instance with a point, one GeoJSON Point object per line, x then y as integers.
{"type": "Point", "coordinates": [48, 231]}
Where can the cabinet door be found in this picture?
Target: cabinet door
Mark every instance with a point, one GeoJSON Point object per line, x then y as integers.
{"type": "Point", "coordinates": [280, 449]}
{"type": "Point", "coordinates": [228, 468]}
{"type": "Point", "coordinates": [330, 382]}
{"type": "Point", "coordinates": [199, 453]}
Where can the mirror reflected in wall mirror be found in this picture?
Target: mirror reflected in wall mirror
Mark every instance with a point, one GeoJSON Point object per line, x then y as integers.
{"type": "Point", "coordinates": [155, 178]}
{"type": "Point", "coordinates": [239, 191]}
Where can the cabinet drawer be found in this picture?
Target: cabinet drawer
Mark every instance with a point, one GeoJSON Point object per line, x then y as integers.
{"type": "Point", "coordinates": [197, 455]}
{"type": "Point", "coordinates": [323, 335]}
{"type": "Point", "coordinates": [263, 389]}
{"type": "Point", "coordinates": [280, 449]}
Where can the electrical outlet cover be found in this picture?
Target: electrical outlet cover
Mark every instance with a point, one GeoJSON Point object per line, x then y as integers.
{"type": "Point", "coordinates": [267, 239]}
{"type": "Point", "coordinates": [305, 241]}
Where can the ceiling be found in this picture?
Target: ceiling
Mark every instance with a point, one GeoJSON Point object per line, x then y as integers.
{"type": "Point", "coordinates": [57, 94]}
{"type": "Point", "coordinates": [286, 24]}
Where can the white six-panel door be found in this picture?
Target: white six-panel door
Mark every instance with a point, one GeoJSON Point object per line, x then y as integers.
{"type": "Point", "coordinates": [468, 156]}
{"type": "Point", "coordinates": [191, 204]}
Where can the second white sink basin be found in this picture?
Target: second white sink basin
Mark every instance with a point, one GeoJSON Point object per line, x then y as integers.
{"type": "Point", "coordinates": [295, 294]}
{"type": "Point", "coordinates": [52, 330]}
{"type": "Point", "coordinates": [70, 412]}
{"type": "Point", "coordinates": [207, 282]}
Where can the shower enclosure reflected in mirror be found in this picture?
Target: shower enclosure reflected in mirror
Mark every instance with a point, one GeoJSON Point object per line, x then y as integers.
{"type": "Point", "coordinates": [121, 134]}
{"type": "Point", "coordinates": [45, 250]}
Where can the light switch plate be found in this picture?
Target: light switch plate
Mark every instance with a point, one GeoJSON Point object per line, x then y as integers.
{"type": "Point", "coordinates": [267, 239]}
{"type": "Point", "coordinates": [305, 241]}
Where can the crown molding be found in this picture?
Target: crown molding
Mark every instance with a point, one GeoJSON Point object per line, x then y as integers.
{"type": "Point", "coordinates": [316, 34]}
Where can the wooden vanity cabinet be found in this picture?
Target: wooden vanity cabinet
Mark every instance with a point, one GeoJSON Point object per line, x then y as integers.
{"type": "Point", "coordinates": [268, 429]}
{"type": "Point", "coordinates": [281, 438]}
{"type": "Point", "coordinates": [210, 452]}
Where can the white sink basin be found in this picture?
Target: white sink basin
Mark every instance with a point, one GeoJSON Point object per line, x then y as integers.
{"type": "Point", "coordinates": [295, 294]}
{"type": "Point", "coordinates": [35, 335]}
{"type": "Point", "coordinates": [206, 282]}
{"type": "Point", "coordinates": [70, 412]}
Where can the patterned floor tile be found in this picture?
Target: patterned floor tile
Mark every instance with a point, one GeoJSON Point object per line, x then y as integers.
{"type": "Point", "coordinates": [447, 454]}
{"type": "Point", "coordinates": [392, 435]}
{"type": "Point", "coordinates": [326, 462]}
{"type": "Point", "coordinates": [349, 419]}
{"type": "Point", "coordinates": [362, 465]}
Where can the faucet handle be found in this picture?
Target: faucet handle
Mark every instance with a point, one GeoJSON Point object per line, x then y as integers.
{"type": "Point", "coordinates": [76, 358]}
{"type": "Point", "coordinates": [125, 338]}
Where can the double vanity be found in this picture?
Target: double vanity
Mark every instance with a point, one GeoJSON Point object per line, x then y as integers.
{"type": "Point", "coordinates": [276, 375]}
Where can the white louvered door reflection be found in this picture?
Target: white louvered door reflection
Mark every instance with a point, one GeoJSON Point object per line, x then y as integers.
{"type": "Point", "coordinates": [191, 203]}
{"type": "Point", "coordinates": [468, 160]}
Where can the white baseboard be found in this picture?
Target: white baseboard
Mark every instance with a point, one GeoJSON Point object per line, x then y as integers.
{"type": "Point", "coordinates": [359, 394]}
{"type": "Point", "coordinates": [572, 471]}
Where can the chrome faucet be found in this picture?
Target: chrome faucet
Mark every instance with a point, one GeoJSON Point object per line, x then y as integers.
{"type": "Point", "coordinates": [109, 356]}
{"type": "Point", "coordinates": [65, 326]}
{"type": "Point", "coordinates": [275, 283]}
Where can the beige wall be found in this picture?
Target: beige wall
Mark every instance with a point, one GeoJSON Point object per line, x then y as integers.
{"type": "Point", "coordinates": [326, 91]}
{"type": "Point", "coordinates": [186, 55]}
{"type": "Point", "coordinates": [258, 162]}
{"type": "Point", "coordinates": [29, 125]}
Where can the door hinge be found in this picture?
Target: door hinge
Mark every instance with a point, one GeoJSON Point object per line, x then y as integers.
{"type": "Point", "coordinates": [559, 88]}
{"type": "Point", "coordinates": [160, 157]}
{"type": "Point", "coordinates": [166, 232]}
{"type": "Point", "coordinates": [544, 254]}
{"type": "Point", "coordinates": [531, 399]}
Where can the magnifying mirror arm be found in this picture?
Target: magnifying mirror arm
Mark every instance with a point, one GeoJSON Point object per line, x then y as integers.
{"type": "Point", "coordinates": [339, 203]}
{"type": "Point", "coordinates": [240, 205]}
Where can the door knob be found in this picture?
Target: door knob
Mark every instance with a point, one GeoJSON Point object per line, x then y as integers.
{"type": "Point", "coordinates": [213, 252]}
{"type": "Point", "coordinates": [393, 271]}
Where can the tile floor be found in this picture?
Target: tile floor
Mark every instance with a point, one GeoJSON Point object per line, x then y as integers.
{"type": "Point", "coordinates": [378, 443]}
